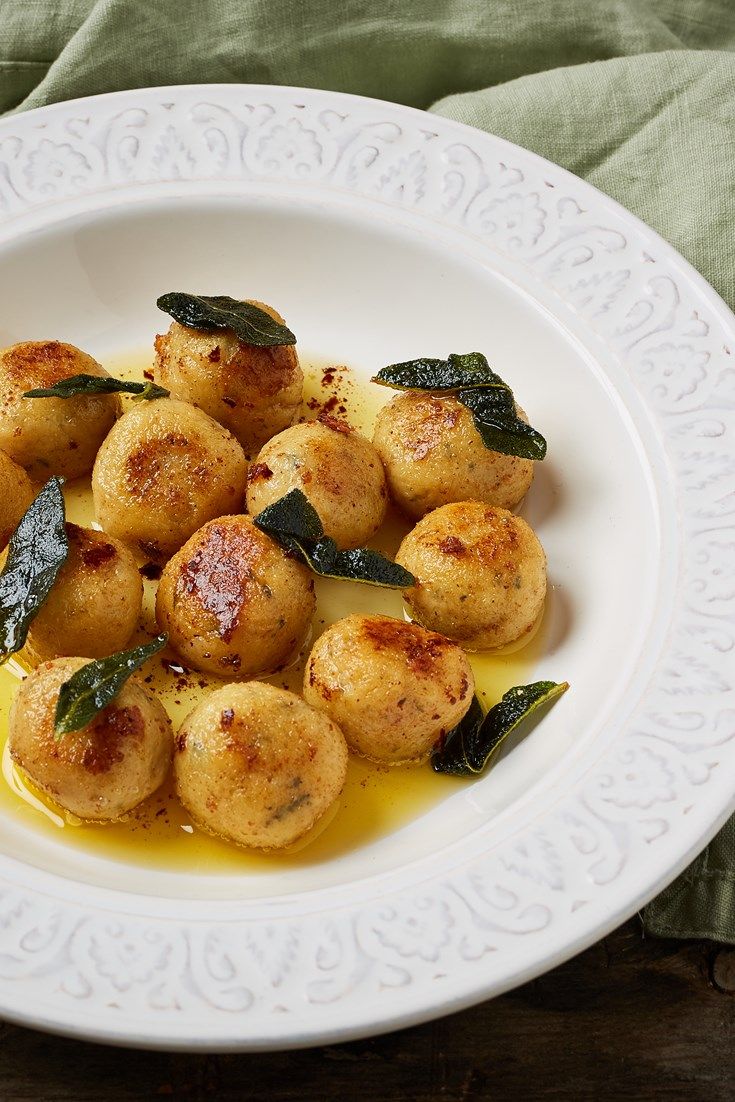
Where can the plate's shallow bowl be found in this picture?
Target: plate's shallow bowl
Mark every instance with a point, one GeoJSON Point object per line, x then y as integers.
{"type": "Point", "coordinates": [382, 233]}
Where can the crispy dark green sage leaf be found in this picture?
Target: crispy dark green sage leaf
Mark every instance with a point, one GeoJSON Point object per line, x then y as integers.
{"type": "Point", "coordinates": [359, 564]}
{"type": "Point", "coordinates": [295, 523]}
{"type": "Point", "coordinates": [37, 550]}
{"type": "Point", "coordinates": [96, 685]}
{"type": "Point", "coordinates": [469, 369]}
{"type": "Point", "coordinates": [497, 421]}
{"type": "Point", "coordinates": [468, 747]}
{"type": "Point", "coordinates": [98, 384]}
{"type": "Point", "coordinates": [213, 312]}
{"type": "Point", "coordinates": [292, 515]}
{"type": "Point", "coordinates": [489, 399]}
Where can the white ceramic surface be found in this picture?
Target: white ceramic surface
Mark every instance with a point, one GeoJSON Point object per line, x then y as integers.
{"type": "Point", "coordinates": [383, 233]}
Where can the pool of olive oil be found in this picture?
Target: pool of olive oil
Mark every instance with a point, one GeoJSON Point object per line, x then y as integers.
{"type": "Point", "coordinates": [376, 800]}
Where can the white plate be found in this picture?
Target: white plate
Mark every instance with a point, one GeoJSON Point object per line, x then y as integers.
{"type": "Point", "coordinates": [383, 233]}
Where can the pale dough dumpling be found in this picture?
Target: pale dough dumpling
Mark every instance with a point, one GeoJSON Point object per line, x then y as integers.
{"type": "Point", "coordinates": [107, 768]}
{"type": "Point", "coordinates": [338, 470]}
{"type": "Point", "coordinates": [95, 604]}
{"type": "Point", "coordinates": [433, 454]}
{"type": "Point", "coordinates": [51, 436]}
{"type": "Point", "coordinates": [257, 766]}
{"type": "Point", "coordinates": [233, 601]}
{"type": "Point", "coordinates": [255, 392]}
{"type": "Point", "coordinates": [480, 574]}
{"type": "Point", "coordinates": [16, 494]}
{"type": "Point", "coordinates": [392, 687]}
{"type": "Point", "coordinates": [164, 471]}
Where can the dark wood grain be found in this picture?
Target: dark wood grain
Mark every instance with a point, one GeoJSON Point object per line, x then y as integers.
{"type": "Point", "coordinates": [629, 1019]}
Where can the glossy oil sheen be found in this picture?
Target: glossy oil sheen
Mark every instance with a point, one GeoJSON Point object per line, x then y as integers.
{"type": "Point", "coordinates": [376, 800]}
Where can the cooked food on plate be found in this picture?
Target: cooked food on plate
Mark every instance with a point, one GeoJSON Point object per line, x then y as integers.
{"type": "Point", "coordinates": [480, 574]}
{"type": "Point", "coordinates": [394, 688]}
{"type": "Point", "coordinates": [51, 435]}
{"type": "Point", "coordinates": [433, 454]}
{"type": "Point", "coordinates": [252, 384]}
{"type": "Point", "coordinates": [165, 469]}
{"type": "Point", "coordinates": [239, 594]}
{"type": "Point", "coordinates": [95, 603]}
{"type": "Point", "coordinates": [103, 770]}
{"type": "Point", "coordinates": [233, 602]}
{"type": "Point", "coordinates": [16, 494]}
{"type": "Point", "coordinates": [257, 765]}
{"type": "Point", "coordinates": [337, 469]}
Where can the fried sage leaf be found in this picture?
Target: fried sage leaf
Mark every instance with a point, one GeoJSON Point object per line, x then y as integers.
{"type": "Point", "coordinates": [292, 515]}
{"type": "Point", "coordinates": [37, 550]}
{"type": "Point", "coordinates": [295, 523]}
{"type": "Point", "coordinates": [472, 381]}
{"type": "Point", "coordinates": [212, 312]}
{"type": "Point", "coordinates": [96, 685]}
{"type": "Point", "coordinates": [468, 747]}
{"type": "Point", "coordinates": [98, 384]}
{"type": "Point", "coordinates": [497, 421]}
{"type": "Point", "coordinates": [470, 369]}
{"type": "Point", "coordinates": [359, 564]}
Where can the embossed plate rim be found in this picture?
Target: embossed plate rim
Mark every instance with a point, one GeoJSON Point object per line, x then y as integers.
{"type": "Point", "coordinates": [50, 944]}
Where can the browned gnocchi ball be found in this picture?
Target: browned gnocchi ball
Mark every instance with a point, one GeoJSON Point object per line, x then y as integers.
{"type": "Point", "coordinates": [255, 392]}
{"type": "Point", "coordinates": [107, 768]}
{"type": "Point", "coordinates": [433, 454]}
{"type": "Point", "coordinates": [51, 435]}
{"type": "Point", "coordinates": [164, 471]}
{"type": "Point", "coordinates": [257, 766]}
{"type": "Point", "coordinates": [232, 600]}
{"type": "Point", "coordinates": [16, 494]}
{"type": "Point", "coordinates": [95, 603]}
{"type": "Point", "coordinates": [393, 688]}
{"type": "Point", "coordinates": [480, 574]}
{"type": "Point", "coordinates": [338, 470]}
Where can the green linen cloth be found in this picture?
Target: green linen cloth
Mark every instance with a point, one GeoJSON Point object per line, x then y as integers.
{"type": "Point", "coordinates": [636, 96]}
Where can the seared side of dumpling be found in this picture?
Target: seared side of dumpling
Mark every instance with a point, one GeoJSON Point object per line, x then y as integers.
{"type": "Point", "coordinates": [480, 574]}
{"type": "Point", "coordinates": [50, 436]}
{"type": "Point", "coordinates": [16, 494]}
{"type": "Point", "coordinates": [233, 602]}
{"type": "Point", "coordinates": [165, 469]}
{"type": "Point", "coordinates": [257, 766]}
{"type": "Point", "coordinates": [255, 392]}
{"type": "Point", "coordinates": [433, 455]}
{"type": "Point", "coordinates": [107, 768]}
{"type": "Point", "coordinates": [392, 687]}
{"type": "Point", "coordinates": [95, 604]}
{"type": "Point", "coordinates": [338, 470]}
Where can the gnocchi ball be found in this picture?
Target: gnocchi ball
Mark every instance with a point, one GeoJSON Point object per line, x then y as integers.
{"type": "Point", "coordinates": [51, 435]}
{"type": "Point", "coordinates": [255, 392]}
{"type": "Point", "coordinates": [107, 768]}
{"type": "Point", "coordinates": [95, 604]}
{"type": "Point", "coordinates": [433, 454]}
{"type": "Point", "coordinates": [480, 574]}
{"type": "Point", "coordinates": [338, 470]}
{"type": "Point", "coordinates": [392, 687]}
{"type": "Point", "coordinates": [257, 766]}
{"type": "Point", "coordinates": [16, 494]}
{"type": "Point", "coordinates": [164, 471]}
{"type": "Point", "coordinates": [232, 600]}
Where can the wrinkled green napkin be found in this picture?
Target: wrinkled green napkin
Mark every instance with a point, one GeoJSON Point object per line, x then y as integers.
{"type": "Point", "coordinates": [636, 96]}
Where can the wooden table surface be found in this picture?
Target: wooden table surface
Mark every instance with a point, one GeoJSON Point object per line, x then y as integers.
{"type": "Point", "coordinates": [631, 1018]}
